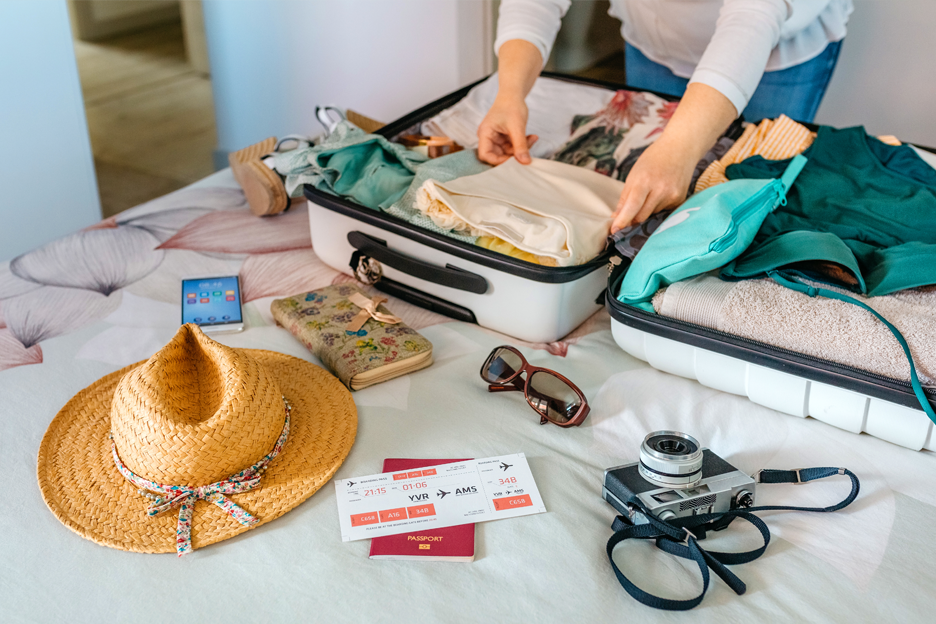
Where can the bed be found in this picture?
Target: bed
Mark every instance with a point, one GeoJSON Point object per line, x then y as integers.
{"type": "Point", "coordinates": [105, 297]}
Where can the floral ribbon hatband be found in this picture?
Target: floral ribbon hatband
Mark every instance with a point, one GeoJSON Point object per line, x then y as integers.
{"type": "Point", "coordinates": [184, 497]}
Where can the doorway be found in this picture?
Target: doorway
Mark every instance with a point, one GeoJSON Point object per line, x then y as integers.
{"type": "Point", "coordinates": [146, 86]}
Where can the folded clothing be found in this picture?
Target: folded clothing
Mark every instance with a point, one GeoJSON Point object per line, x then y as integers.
{"type": "Point", "coordinates": [443, 169]}
{"type": "Point", "coordinates": [774, 139]}
{"type": "Point", "coordinates": [762, 310]}
{"type": "Point", "coordinates": [552, 105]}
{"type": "Point", "coordinates": [350, 163]}
{"type": "Point", "coordinates": [503, 247]}
{"type": "Point", "coordinates": [546, 208]}
{"type": "Point", "coordinates": [342, 327]}
{"type": "Point", "coordinates": [859, 203]}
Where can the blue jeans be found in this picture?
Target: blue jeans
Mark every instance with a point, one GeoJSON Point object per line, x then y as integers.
{"type": "Point", "coordinates": [795, 92]}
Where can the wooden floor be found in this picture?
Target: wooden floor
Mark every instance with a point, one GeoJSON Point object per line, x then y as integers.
{"type": "Point", "coordinates": [150, 116]}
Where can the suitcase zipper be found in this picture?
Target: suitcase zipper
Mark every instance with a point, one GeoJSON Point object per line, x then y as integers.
{"type": "Point", "coordinates": [744, 211]}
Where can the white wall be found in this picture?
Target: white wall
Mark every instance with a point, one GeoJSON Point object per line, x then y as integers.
{"type": "Point", "coordinates": [886, 75]}
{"type": "Point", "coordinates": [272, 62]}
{"type": "Point", "coordinates": [47, 182]}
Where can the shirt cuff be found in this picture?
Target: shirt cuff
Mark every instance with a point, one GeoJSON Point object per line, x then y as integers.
{"type": "Point", "coordinates": [724, 85]}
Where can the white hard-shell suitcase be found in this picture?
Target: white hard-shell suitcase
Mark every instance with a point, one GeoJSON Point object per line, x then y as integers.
{"type": "Point", "coordinates": [458, 279]}
{"type": "Point", "coordinates": [793, 383]}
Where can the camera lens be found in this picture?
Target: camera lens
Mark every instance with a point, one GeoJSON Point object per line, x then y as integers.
{"type": "Point", "coordinates": [671, 459]}
{"type": "Point", "coordinates": [672, 444]}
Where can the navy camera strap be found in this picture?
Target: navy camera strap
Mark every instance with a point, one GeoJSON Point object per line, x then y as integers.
{"type": "Point", "coordinates": [680, 536]}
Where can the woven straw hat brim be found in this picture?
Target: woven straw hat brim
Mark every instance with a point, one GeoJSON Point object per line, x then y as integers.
{"type": "Point", "coordinates": [82, 487]}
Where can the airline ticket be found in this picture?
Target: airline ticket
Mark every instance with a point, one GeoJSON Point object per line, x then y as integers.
{"type": "Point", "coordinates": [439, 496]}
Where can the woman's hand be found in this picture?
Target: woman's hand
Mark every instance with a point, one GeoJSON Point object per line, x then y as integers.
{"type": "Point", "coordinates": [502, 132]}
{"type": "Point", "coordinates": [658, 181]}
{"type": "Point", "coordinates": [660, 178]}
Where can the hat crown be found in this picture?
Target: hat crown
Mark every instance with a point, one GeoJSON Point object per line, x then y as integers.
{"type": "Point", "coordinates": [196, 412]}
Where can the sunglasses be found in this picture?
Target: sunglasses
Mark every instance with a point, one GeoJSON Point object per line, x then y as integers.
{"type": "Point", "coordinates": [555, 398]}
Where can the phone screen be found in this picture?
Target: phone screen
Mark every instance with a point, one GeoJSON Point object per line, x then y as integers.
{"type": "Point", "coordinates": [211, 301]}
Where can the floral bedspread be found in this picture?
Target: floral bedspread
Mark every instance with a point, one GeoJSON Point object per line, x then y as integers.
{"type": "Point", "coordinates": [116, 270]}
{"type": "Point", "coordinates": [97, 300]}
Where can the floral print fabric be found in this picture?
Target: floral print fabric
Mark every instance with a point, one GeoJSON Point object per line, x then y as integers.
{"type": "Point", "coordinates": [611, 140]}
{"type": "Point", "coordinates": [184, 497]}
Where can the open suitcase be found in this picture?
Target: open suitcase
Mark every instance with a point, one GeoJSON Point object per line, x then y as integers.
{"type": "Point", "coordinates": [542, 304]}
{"type": "Point", "coordinates": [458, 279]}
{"type": "Point", "coordinates": [849, 398]}
{"type": "Point", "coordinates": [793, 383]}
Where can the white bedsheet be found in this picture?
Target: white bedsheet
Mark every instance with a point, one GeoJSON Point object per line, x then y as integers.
{"type": "Point", "coordinates": [870, 562]}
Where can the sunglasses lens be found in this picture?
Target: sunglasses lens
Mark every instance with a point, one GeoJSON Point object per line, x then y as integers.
{"type": "Point", "coordinates": [553, 398]}
{"type": "Point", "coordinates": [501, 366]}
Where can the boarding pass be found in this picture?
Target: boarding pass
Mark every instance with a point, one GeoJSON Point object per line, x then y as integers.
{"type": "Point", "coordinates": [440, 496]}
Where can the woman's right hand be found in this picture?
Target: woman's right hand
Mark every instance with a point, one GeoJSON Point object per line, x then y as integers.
{"type": "Point", "coordinates": [502, 132]}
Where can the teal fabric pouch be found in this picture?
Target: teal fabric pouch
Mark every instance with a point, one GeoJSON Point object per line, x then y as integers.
{"type": "Point", "coordinates": [709, 230]}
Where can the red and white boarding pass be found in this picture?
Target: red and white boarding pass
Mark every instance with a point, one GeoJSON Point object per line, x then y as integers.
{"type": "Point", "coordinates": [445, 495]}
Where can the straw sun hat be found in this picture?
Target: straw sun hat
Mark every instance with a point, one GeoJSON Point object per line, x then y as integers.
{"type": "Point", "coordinates": [215, 441]}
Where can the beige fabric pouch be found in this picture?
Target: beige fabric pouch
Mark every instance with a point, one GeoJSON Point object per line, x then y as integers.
{"type": "Point", "coordinates": [546, 208]}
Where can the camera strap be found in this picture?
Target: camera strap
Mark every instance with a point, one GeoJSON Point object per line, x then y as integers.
{"type": "Point", "coordinates": [680, 536]}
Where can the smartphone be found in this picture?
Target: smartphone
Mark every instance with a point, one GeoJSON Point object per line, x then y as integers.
{"type": "Point", "coordinates": [213, 303]}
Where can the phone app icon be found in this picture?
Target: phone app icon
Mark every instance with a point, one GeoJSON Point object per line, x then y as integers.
{"type": "Point", "coordinates": [190, 295]}
{"type": "Point", "coordinates": [205, 300]}
{"type": "Point", "coordinates": [229, 292]}
{"type": "Point", "coordinates": [211, 318]}
{"type": "Point", "coordinates": [204, 294]}
{"type": "Point", "coordinates": [191, 301]}
{"type": "Point", "coordinates": [197, 319]}
{"type": "Point", "coordinates": [216, 293]}
{"type": "Point", "coordinates": [226, 317]}
{"type": "Point", "coordinates": [230, 297]}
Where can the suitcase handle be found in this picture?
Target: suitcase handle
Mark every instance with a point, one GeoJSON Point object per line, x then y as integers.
{"type": "Point", "coordinates": [449, 275]}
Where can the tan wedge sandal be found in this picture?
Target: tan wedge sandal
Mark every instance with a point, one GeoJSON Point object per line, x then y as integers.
{"type": "Point", "coordinates": [262, 186]}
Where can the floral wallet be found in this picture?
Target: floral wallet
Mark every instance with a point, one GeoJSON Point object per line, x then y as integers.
{"type": "Point", "coordinates": [353, 334]}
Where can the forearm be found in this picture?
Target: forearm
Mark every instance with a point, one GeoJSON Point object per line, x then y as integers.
{"type": "Point", "coordinates": [701, 118]}
{"type": "Point", "coordinates": [518, 65]}
{"type": "Point", "coordinates": [661, 176]}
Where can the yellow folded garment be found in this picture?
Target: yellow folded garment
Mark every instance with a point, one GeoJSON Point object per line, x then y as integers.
{"type": "Point", "coordinates": [501, 246]}
{"type": "Point", "coordinates": [774, 139]}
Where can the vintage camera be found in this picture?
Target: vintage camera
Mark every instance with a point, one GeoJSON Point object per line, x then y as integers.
{"type": "Point", "coordinates": [676, 477]}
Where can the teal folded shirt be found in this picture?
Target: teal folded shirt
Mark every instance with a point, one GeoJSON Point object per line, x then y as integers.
{"type": "Point", "coordinates": [860, 203]}
{"type": "Point", "coordinates": [374, 172]}
{"type": "Point", "coordinates": [365, 168]}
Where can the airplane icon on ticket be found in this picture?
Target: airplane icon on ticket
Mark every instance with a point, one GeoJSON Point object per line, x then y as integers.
{"type": "Point", "coordinates": [505, 466]}
{"type": "Point", "coordinates": [442, 493]}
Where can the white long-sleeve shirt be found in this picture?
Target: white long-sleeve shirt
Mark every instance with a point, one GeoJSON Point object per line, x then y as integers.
{"type": "Point", "coordinates": [726, 44]}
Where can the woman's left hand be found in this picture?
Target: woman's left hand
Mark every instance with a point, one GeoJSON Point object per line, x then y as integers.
{"type": "Point", "coordinates": [658, 181]}
{"type": "Point", "coordinates": [660, 178]}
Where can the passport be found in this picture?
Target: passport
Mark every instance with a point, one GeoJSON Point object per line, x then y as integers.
{"type": "Point", "coordinates": [455, 543]}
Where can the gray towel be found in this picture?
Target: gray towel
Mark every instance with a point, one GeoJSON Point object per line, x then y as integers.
{"type": "Point", "coordinates": [767, 312]}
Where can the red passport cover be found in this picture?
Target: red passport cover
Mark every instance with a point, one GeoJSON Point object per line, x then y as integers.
{"type": "Point", "coordinates": [454, 543]}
